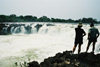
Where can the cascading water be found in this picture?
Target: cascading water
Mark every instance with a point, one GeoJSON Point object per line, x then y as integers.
{"type": "Point", "coordinates": [20, 28]}
{"type": "Point", "coordinates": [21, 43]}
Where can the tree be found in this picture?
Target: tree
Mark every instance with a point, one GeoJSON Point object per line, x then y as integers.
{"type": "Point", "coordinates": [89, 20]}
{"type": "Point", "coordinates": [44, 19]}
{"type": "Point", "coordinates": [34, 18]}
{"type": "Point", "coordinates": [3, 18]}
{"type": "Point", "coordinates": [28, 18]}
{"type": "Point", "coordinates": [70, 20]}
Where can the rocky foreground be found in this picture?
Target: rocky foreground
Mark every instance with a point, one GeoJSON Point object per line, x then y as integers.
{"type": "Point", "coordinates": [67, 59]}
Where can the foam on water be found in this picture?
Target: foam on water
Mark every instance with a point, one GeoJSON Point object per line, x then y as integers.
{"type": "Point", "coordinates": [47, 42]}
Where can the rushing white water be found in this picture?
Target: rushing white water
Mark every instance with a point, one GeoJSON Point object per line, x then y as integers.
{"type": "Point", "coordinates": [47, 42]}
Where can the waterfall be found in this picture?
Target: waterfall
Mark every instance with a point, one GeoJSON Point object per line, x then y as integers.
{"type": "Point", "coordinates": [34, 30]}
{"type": "Point", "coordinates": [36, 41]}
{"type": "Point", "coordinates": [44, 29]}
{"type": "Point", "coordinates": [17, 30]}
{"type": "Point", "coordinates": [12, 29]}
{"type": "Point", "coordinates": [24, 28]}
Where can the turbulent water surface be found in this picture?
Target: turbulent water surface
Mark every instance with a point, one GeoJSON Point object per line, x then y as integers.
{"type": "Point", "coordinates": [29, 42]}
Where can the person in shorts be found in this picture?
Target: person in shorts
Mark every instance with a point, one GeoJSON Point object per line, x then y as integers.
{"type": "Point", "coordinates": [93, 34]}
{"type": "Point", "coordinates": [80, 33]}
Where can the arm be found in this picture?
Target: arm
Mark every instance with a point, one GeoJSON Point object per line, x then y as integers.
{"type": "Point", "coordinates": [88, 35]}
{"type": "Point", "coordinates": [97, 33]}
{"type": "Point", "coordinates": [84, 33]}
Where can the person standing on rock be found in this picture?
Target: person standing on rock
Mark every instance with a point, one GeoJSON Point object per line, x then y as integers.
{"type": "Point", "coordinates": [80, 33]}
{"type": "Point", "coordinates": [93, 34]}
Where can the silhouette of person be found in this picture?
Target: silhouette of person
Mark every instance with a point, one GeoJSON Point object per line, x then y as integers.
{"type": "Point", "coordinates": [93, 34]}
{"type": "Point", "coordinates": [80, 33]}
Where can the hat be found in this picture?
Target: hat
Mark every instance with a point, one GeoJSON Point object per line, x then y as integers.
{"type": "Point", "coordinates": [80, 24]}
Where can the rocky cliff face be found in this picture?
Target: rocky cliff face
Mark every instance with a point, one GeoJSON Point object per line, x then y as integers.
{"type": "Point", "coordinates": [67, 59]}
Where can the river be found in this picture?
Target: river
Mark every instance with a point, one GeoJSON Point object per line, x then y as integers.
{"type": "Point", "coordinates": [36, 41]}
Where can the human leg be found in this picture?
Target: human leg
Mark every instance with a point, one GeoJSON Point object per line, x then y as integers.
{"type": "Point", "coordinates": [93, 46]}
{"type": "Point", "coordinates": [74, 48]}
{"type": "Point", "coordinates": [88, 45]}
{"type": "Point", "coordinates": [79, 48]}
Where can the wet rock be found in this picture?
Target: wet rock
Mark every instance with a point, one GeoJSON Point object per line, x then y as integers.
{"type": "Point", "coordinates": [38, 26]}
{"type": "Point", "coordinates": [33, 64]}
{"type": "Point", "coordinates": [50, 24]}
{"type": "Point", "coordinates": [67, 59]}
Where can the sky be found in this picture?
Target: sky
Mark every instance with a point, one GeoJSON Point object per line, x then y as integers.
{"type": "Point", "coordinates": [65, 9]}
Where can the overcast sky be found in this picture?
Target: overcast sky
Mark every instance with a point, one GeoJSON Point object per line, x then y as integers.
{"type": "Point", "coordinates": [66, 9]}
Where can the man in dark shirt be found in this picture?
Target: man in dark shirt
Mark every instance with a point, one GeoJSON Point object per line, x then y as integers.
{"type": "Point", "coordinates": [93, 34]}
{"type": "Point", "coordinates": [80, 33]}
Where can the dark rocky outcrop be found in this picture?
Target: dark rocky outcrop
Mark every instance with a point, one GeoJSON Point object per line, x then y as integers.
{"type": "Point", "coordinates": [67, 59]}
{"type": "Point", "coordinates": [38, 26]}
{"type": "Point", "coordinates": [50, 24]}
{"type": "Point", "coordinates": [34, 64]}
{"type": "Point", "coordinates": [6, 29]}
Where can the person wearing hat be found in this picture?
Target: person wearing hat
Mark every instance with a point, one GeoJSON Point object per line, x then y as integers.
{"type": "Point", "coordinates": [93, 34]}
{"type": "Point", "coordinates": [80, 33]}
